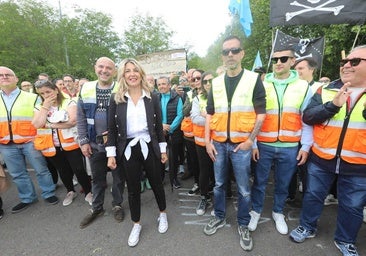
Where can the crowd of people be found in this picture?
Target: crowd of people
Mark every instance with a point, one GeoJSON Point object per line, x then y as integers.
{"type": "Point", "coordinates": [233, 126]}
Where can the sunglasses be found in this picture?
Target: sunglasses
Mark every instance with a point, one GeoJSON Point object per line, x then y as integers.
{"type": "Point", "coordinates": [195, 79]}
{"type": "Point", "coordinates": [234, 51]}
{"type": "Point", "coordinates": [207, 81]}
{"type": "Point", "coordinates": [354, 62]}
{"type": "Point", "coordinates": [283, 59]}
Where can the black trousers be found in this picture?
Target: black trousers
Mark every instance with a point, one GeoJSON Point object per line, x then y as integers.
{"type": "Point", "coordinates": [133, 170]}
{"type": "Point", "coordinates": [207, 176]}
{"type": "Point", "coordinates": [69, 163]}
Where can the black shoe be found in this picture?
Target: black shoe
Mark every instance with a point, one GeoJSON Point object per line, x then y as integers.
{"type": "Point", "coordinates": [52, 200]}
{"type": "Point", "coordinates": [176, 184]}
{"type": "Point", "coordinates": [1, 213]}
{"type": "Point", "coordinates": [118, 213]}
{"type": "Point", "coordinates": [88, 219]}
{"type": "Point", "coordinates": [186, 175]}
{"type": "Point", "coordinates": [20, 207]}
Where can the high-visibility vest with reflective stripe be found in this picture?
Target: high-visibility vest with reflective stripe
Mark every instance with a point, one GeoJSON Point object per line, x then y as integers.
{"type": "Point", "coordinates": [283, 123]}
{"type": "Point", "coordinates": [327, 134]}
{"type": "Point", "coordinates": [199, 130]}
{"type": "Point", "coordinates": [88, 94]}
{"type": "Point", "coordinates": [238, 121]}
{"type": "Point", "coordinates": [186, 125]}
{"type": "Point", "coordinates": [18, 125]}
{"type": "Point", "coordinates": [44, 138]}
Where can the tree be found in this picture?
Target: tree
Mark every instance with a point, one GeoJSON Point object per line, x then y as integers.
{"type": "Point", "coordinates": [146, 34]}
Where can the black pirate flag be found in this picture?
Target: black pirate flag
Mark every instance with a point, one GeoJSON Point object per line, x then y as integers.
{"type": "Point", "coordinates": [303, 47]}
{"type": "Point", "coordinates": [295, 12]}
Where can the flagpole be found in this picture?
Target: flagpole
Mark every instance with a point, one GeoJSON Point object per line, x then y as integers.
{"type": "Point", "coordinates": [358, 32]}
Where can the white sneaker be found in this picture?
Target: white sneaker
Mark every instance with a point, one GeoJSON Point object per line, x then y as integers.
{"type": "Point", "coordinates": [181, 169]}
{"type": "Point", "coordinates": [364, 214]}
{"type": "Point", "coordinates": [281, 225]}
{"type": "Point", "coordinates": [163, 223]}
{"type": "Point", "coordinates": [69, 198]}
{"type": "Point", "coordinates": [254, 218]}
{"type": "Point", "coordinates": [74, 181]}
{"type": "Point", "coordinates": [300, 187]}
{"type": "Point", "coordinates": [134, 237]}
{"type": "Point", "coordinates": [330, 199]}
{"type": "Point", "coordinates": [89, 198]}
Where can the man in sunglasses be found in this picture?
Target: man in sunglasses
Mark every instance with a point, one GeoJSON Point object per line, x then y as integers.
{"type": "Point", "coordinates": [339, 149]}
{"type": "Point", "coordinates": [235, 113]}
{"type": "Point", "coordinates": [278, 141]}
{"type": "Point", "coordinates": [16, 142]}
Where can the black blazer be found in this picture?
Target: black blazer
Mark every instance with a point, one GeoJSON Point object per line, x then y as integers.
{"type": "Point", "coordinates": [117, 124]}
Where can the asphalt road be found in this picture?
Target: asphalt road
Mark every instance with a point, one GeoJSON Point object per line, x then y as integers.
{"type": "Point", "coordinates": [44, 229]}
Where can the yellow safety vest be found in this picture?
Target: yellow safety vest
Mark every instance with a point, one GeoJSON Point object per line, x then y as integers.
{"type": "Point", "coordinates": [328, 134]}
{"type": "Point", "coordinates": [285, 126]}
{"type": "Point", "coordinates": [17, 126]}
{"type": "Point", "coordinates": [198, 130]}
{"type": "Point", "coordinates": [240, 116]}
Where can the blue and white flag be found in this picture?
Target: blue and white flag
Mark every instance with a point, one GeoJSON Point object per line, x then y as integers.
{"type": "Point", "coordinates": [257, 62]}
{"type": "Point", "coordinates": [242, 8]}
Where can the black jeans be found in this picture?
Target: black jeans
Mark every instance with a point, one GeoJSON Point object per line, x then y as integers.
{"type": "Point", "coordinates": [99, 169]}
{"type": "Point", "coordinates": [207, 176]}
{"type": "Point", "coordinates": [192, 159]}
{"type": "Point", "coordinates": [69, 163]}
{"type": "Point", "coordinates": [133, 169]}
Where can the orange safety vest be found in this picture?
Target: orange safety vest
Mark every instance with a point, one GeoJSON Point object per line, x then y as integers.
{"type": "Point", "coordinates": [241, 116]}
{"type": "Point", "coordinates": [199, 130]}
{"type": "Point", "coordinates": [186, 125]}
{"type": "Point", "coordinates": [44, 138]}
{"type": "Point", "coordinates": [283, 124]}
{"type": "Point", "coordinates": [17, 126]}
{"type": "Point", "coordinates": [327, 136]}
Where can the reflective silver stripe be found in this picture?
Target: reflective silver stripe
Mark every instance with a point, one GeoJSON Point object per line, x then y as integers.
{"type": "Point", "coordinates": [272, 111]}
{"type": "Point", "coordinates": [199, 139]}
{"type": "Point", "coordinates": [242, 109]}
{"type": "Point", "coordinates": [290, 133]}
{"type": "Point", "coordinates": [239, 134]}
{"type": "Point", "coordinates": [290, 109]}
{"type": "Point", "coordinates": [221, 134]}
{"type": "Point", "coordinates": [347, 153]}
{"type": "Point", "coordinates": [268, 134]}
{"type": "Point", "coordinates": [221, 110]}
{"type": "Point", "coordinates": [90, 121]}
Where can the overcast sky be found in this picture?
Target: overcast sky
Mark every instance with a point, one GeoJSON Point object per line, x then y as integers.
{"type": "Point", "coordinates": [195, 22]}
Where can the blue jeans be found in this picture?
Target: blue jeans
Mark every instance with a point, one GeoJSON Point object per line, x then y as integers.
{"type": "Point", "coordinates": [285, 164]}
{"type": "Point", "coordinates": [15, 156]}
{"type": "Point", "coordinates": [351, 200]}
{"type": "Point", "coordinates": [241, 167]}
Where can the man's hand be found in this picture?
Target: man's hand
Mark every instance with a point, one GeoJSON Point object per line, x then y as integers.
{"type": "Point", "coordinates": [211, 151]}
{"type": "Point", "coordinates": [302, 156]}
{"type": "Point", "coordinates": [255, 154]}
{"type": "Point", "coordinates": [341, 97]}
{"type": "Point", "coordinates": [86, 150]}
{"type": "Point", "coordinates": [164, 158]}
{"type": "Point", "coordinates": [246, 145]}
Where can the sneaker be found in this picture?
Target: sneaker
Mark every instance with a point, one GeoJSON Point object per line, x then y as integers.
{"type": "Point", "coordinates": [281, 225]}
{"type": "Point", "coordinates": [1, 213]}
{"type": "Point", "coordinates": [299, 234]}
{"type": "Point", "coordinates": [88, 219]}
{"type": "Point", "coordinates": [254, 218]}
{"type": "Point", "coordinates": [346, 248]}
{"type": "Point", "coordinates": [20, 207]}
{"type": "Point", "coordinates": [181, 169]}
{"type": "Point", "coordinates": [134, 237]}
{"type": "Point", "coordinates": [69, 198]}
{"type": "Point", "coordinates": [52, 200]}
{"type": "Point", "coordinates": [74, 181]}
{"type": "Point", "coordinates": [194, 190]}
{"type": "Point", "coordinates": [301, 188]}
{"type": "Point", "coordinates": [176, 184]}
{"type": "Point", "coordinates": [290, 199]}
{"type": "Point", "coordinates": [163, 223]}
{"type": "Point", "coordinates": [213, 213]}
{"type": "Point", "coordinates": [213, 225]}
{"type": "Point", "coordinates": [201, 208]}
{"type": "Point", "coordinates": [246, 241]}
{"type": "Point", "coordinates": [147, 184]}
{"type": "Point", "coordinates": [364, 214]}
{"type": "Point", "coordinates": [118, 213]}
{"type": "Point", "coordinates": [89, 198]}
{"type": "Point", "coordinates": [330, 199]}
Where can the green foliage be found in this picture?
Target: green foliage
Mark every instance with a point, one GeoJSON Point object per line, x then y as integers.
{"type": "Point", "coordinates": [144, 35]}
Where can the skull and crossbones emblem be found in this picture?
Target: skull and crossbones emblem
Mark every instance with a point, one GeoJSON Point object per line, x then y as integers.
{"type": "Point", "coordinates": [324, 7]}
